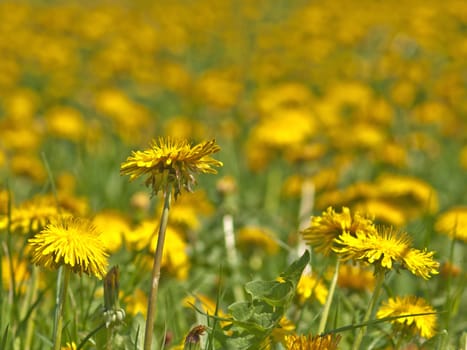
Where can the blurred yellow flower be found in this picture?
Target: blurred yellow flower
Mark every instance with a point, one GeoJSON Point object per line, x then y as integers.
{"type": "Point", "coordinates": [136, 302]}
{"type": "Point", "coordinates": [113, 226]}
{"type": "Point", "coordinates": [257, 238]}
{"type": "Point", "coordinates": [69, 346]}
{"type": "Point", "coordinates": [424, 325]}
{"type": "Point", "coordinates": [453, 223]}
{"type": "Point", "coordinates": [172, 161]}
{"type": "Point", "coordinates": [311, 287]}
{"type": "Point", "coordinates": [175, 258]}
{"type": "Point", "coordinates": [33, 215]}
{"type": "Point", "coordinates": [20, 273]}
{"type": "Point", "coordinates": [65, 122]}
{"type": "Point", "coordinates": [355, 277]}
{"type": "Point", "coordinates": [72, 242]}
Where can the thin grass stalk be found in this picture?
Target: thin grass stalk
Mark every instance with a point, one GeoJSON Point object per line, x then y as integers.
{"type": "Point", "coordinates": [327, 305]}
{"type": "Point", "coordinates": [62, 289]}
{"type": "Point", "coordinates": [370, 309]}
{"type": "Point", "coordinates": [156, 271]}
{"type": "Point", "coordinates": [31, 296]}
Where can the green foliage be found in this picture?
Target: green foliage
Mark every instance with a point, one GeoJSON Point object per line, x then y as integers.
{"type": "Point", "coordinates": [253, 321]}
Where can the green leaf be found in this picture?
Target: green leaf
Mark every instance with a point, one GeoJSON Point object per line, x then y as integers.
{"type": "Point", "coordinates": [272, 292]}
{"type": "Point", "coordinates": [241, 310]}
{"type": "Point", "coordinates": [294, 271]}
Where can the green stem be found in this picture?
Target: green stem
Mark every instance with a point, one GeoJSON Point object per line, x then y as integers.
{"type": "Point", "coordinates": [156, 271]}
{"type": "Point", "coordinates": [60, 304]}
{"type": "Point", "coordinates": [369, 311]}
{"type": "Point", "coordinates": [327, 305]}
{"type": "Point", "coordinates": [31, 296]}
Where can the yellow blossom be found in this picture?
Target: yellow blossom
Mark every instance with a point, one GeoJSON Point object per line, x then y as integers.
{"type": "Point", "coordinates": [330, 225]}
{"type": "Point", "coordinates": [424, 325]}
{"type": "Point", "coordinates": [172, 161]}
{"type": "Point", "coordinates": [311, 287]}
{"type": "Point", "coordinates": [453, 223]}
{"type": "Point", "coordinates": [72, 242]}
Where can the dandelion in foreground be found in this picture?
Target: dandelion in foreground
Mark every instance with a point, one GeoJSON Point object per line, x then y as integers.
{"type": "Point", "coordinates": [308, 342]}
{"type": "Point", "coordinates": [169, 165]}
{"type": "Point", "coordinates": [386, 249]}
{"type": "Point", "coordinates": [324, 229]}
{"type": "Point", "coordinates": [174, 161]}
{"type": "Point", "coordinates": [423, 325]}
{"type": "Point", "coordinates": [73, 243]}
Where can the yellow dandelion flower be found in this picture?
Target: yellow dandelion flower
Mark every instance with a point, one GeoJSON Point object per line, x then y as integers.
{"type": "Point", "coordinates": [33, 215]}
{"type": "Point", "coordinates": [385, 249]}
{"type": "Point", "coordinates": [187, 211]}
{"type": "Point", "coordinates": [113, 226]}
{"type": "Point", "coordinates": [309, 342]}
{"type": "Point", "coordinates": [309, 286]}
{"type": "Point", "coordinates": [420, 263]}
{"type": "Point", "coordinates": [330, 225]}
{"type": "Point", "coordinates": [136, 302]}
{"type": "Point", "coordinates": [69, 346]}
{"type": "Point", "coordinates": [424, 325]}
{"type": "Point", "coordinates": [285, 327]}
{"type": "Point", "coordinates": [453, 223]}
{"type": "Point", "coordinates": [355, 277]}
{"type": "Point", "coordinates": [72, 242]}
{"type": "Point", "coordinates": [172, 161]}
{"type": "Point", "coordinates": [382, 249]}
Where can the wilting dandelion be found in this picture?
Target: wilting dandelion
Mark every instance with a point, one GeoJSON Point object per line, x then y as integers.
{"type": "Point", "coordinates": [169, 165]}
{"type": "Point", "coordinates": [173, 161]}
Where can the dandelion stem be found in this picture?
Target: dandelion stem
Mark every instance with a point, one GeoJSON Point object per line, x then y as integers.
{"type": "Point", "coordinates": [60, 304]}
{"type": "Point", "coordinates": [327, 305]}
{"type": "Point", "coordinates": [156, 271]}
{"type": "Point", "coordinates": [370, 309]}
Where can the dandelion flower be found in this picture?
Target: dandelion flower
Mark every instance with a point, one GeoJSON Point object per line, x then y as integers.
{"type": "Point", "coordinates": [424, 325]}
{"type": "Point", "coordinates": [330, 225]}
{"type": "Point", "coordinates": [317, 342]}
{"type": "Point", "coordinates": [420, 263]}
{"type": "Point", "coordinates": [72, 242]}
{"type": "Point", "coordinates": [310, 286]}
{"type": "Point", "coordinates": [172, 161]}
{"type": "Point", "coordinates": [382, 249]}
{"type": "Point", "coordinates": [453, 223]}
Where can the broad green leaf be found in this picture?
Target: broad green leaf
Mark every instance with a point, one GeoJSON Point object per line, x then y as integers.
{"type": "Point", "coordinates": [272, 292]}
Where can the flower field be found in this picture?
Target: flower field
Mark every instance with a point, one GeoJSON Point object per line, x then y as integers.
{"type": "Point", "coordinates": [233, 175]}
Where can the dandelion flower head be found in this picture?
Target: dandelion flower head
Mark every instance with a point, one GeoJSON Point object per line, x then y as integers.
{"type": "Point", "coordinates": [174, 161]}
{"type": "Point", "coordinates": [330, 225]}
{"type": "Point", "coordinates": [72, 242]}
{"type": "Point", "coordinates": [424, 325]}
